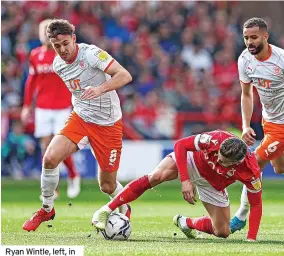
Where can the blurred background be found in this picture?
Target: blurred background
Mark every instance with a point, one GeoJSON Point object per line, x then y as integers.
{"type": "Point", "coordinates": [182, 57]}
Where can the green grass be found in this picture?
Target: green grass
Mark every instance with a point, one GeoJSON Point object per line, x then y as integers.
{"type": "Point", "coordinates": [152, 228]}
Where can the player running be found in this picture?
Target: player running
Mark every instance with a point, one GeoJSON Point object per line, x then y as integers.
{"type": "Point", "coordinates": [210, 162]}
{"type": "Point", "coordinates": [92, 76]}
{"type": "Point", "coordinates": [261, 65]}
{"type": "Point", "coordinates": [52, 100]}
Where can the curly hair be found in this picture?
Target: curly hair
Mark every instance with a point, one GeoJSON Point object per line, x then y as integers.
{"type": "Point", "coordinates": [234, 149]}
{"type": "Point", "coordinates": [59, 27]}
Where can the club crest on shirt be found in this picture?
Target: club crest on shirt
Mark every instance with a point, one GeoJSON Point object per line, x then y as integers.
{"type": "Point", "coordinates": [277, 70]}
{"type": "Point", "coordinates": [82, 64]}
{"type": "Point", "coordinates": [256, 184]}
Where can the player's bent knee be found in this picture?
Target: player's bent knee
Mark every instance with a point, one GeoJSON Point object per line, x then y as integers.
{"type": "Point", "coordinates": [107, 187]}
{"type": "Point", "coordinates": [158, 177]}
{"type": "Point", "coordinates": [49, 161]}
{"type": "Point", "coordinates": [224, 232]}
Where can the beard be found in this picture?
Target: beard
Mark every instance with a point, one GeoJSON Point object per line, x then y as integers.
{"type": "Point", "coordinates": [255, 50]}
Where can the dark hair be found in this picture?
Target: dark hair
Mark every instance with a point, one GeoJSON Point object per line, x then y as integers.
{"type": "Point", "coordinates": [59, 27]}
{"type": "Point", "coordinates": [256, 22]}
{"type": "Point", "coordinates": [234, 149]}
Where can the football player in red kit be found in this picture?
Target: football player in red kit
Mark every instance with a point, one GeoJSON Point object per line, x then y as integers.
{"type": "Point", "coordinates": [52, 102]}
{"type": "Point", "coordinates": [207, 162]}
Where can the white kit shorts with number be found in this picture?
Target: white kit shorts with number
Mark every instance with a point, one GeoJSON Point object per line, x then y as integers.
{"type": "Point", "coordinates": [205, 191]}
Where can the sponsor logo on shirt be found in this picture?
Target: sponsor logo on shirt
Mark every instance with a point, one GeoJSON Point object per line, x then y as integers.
{"type": "Point", "coordinates": [44, 68]}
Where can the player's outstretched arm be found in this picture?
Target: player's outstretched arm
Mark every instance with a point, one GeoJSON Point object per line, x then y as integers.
{"type": "Point", "coordinates": [255, 200]}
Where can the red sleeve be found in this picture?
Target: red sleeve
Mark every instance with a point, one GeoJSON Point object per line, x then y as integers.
{"type": "Point", "coordinates": [255, 200]}
{"type": "Point", "coordinates": [30, 84]}
{"type": "Point", "coordinates": [200, 142]}
{"type": "Point", "coordinates": [180, 148]}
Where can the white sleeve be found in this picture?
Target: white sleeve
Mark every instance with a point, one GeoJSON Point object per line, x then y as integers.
{"type": "Point", "coordinates": [242, 75]}
{"type": "Point", "coordinates": [98, 58]}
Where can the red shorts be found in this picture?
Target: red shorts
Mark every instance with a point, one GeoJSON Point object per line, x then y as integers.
{"type": "Point", "coordinates": [272, 145]}
{"type": "Point", "coordinates": [105, 141]}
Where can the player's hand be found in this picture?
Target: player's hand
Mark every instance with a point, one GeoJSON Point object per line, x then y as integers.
{"type": "Point", "coordinates": [91, 93]}
{"type": "Point", "coordinates": [26, 114]}
{"type": "Point", "coordinates": [188, 191]}
{"type": "Point", "coordinates": [248, 136]}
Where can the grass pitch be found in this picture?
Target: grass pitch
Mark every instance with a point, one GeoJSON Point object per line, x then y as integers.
{"type": "Point", "coordinates": [152, 228]}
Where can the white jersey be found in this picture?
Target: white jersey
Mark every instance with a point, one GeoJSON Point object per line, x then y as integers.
{"type": "Point", "coordinates": [88, 69]}
{"type": "Point", "coordinates": [268, 78]}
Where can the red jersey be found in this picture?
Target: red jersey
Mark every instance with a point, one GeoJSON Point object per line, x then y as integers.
{"type": "Point", "coordinates": [43, 84]}
{"type": "Point", "coordinates": [205, 148]}
{"type": "Point", "coordinates": [205, 153]}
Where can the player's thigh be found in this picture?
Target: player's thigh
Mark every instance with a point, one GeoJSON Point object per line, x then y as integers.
{"type": "Point", "coordinates": [220, 217]}
{"type": "Point", "coordinates": [72, 137]}
{"type": "Point", "coordinates": [217, 204]}
{"type": "Point", "coordinates": [278, 164]}
{"type": "Point", "coordinates": [43, 123]}
{"type": "Point", "coordinates": [44, 142]}
{"type": "Point", "coordinates": [272, 145]}
{"type": "Point", "coordinates": [107, 178]}
{"type": "Point", "coordinates": [60, 117]}
{"type": "Point", "coordinates": [165, 171]}
{"type": "Point", "coordinates": [59, 148]}
{"type": "Point", "coordinates": [106, 145]}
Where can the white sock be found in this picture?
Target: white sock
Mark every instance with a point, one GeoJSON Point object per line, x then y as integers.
{"type": "Point", "coordinates": [49, 182]}
{"type": "Point", "coordinates": [122, 209]}
{"type": "Point", "coordinates": [182, 222]}
{"type": "Point", "coordinates": [242, 212]}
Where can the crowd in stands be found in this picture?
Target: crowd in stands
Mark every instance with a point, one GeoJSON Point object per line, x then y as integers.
{"type": "Point", "coordinates": [182, 57]}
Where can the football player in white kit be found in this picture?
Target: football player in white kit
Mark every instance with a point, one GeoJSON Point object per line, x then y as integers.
{"type": "Point", "coordinates": [261, 65]}
{"type": "Point", "coordinates": [92, 76]}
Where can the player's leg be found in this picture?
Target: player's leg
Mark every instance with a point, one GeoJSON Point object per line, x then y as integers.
{"type": "Point", "coordinates": [278, 164]}
{"type": "Point", "coordinates": [44, 131]}
{"type": "Point", "coordinates": [73, 180]}
{"type": "Point", "coordinates": [165, 171]}
{"type": "Point", "coordinates": [44, 142]}
{"type": "Point", "coordinates": [271, 147]}
{"type": "Point", "coordinates": [218, 221]}
{"type": "Point", "coordinates": [71, 138]}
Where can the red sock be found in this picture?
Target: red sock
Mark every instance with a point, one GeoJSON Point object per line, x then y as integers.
{"type": "Point", "coordinates": [203, 224]}
{"type": "Point", "coordinates": [130, 192]}
{"type": "Point", "coordinates": [72, 173]}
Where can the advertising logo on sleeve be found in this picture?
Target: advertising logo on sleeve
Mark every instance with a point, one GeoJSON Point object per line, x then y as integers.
{"type": "Point", "coordinates": [256, 184]}
{"type": "Point", "coordinates": [102, 55]}
{"type": "Point", "coordinates": [205, 138]}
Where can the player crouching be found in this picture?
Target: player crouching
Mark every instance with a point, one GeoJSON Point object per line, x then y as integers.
{"type": "Point", "coordinates": [206, 163]}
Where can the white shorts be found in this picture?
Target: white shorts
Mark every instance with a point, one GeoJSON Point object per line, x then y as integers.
{"type": "Point", "coordinates": [205, 191]}
{"type": "Point", "coordinates": [50, 121]}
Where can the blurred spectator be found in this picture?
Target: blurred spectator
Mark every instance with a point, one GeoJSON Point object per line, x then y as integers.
{"type": "Point", "coordinates": [15, 150]}
{"type": "Point", "coordinates": [181, 55]}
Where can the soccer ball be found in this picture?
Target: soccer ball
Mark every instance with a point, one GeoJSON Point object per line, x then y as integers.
{"type": "Point", "coordinates": [118, 227]}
